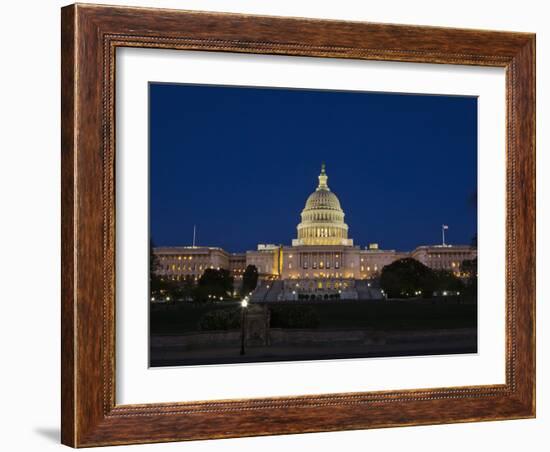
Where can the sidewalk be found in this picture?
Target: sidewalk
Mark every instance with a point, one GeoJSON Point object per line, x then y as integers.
{"type": "Point", "coordinates": [429, 345]}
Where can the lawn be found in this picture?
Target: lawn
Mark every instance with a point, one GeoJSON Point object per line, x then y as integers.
{"type": "Point", "coordinates": [405, 315]}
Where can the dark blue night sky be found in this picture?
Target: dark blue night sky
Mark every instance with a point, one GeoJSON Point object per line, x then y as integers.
{"type": "Point", "coordinates": [240, 163]}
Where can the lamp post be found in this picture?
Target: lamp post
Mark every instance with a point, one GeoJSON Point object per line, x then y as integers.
{"type": "Point", "coordinates": [244, 305]}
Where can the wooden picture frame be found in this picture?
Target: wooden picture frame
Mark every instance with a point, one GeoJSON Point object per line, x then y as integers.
{"type": "Point", "coordinates": [90, 36]}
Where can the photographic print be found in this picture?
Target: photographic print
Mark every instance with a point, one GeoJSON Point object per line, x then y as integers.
{"type": "Point", "coordinates": [302, 224]}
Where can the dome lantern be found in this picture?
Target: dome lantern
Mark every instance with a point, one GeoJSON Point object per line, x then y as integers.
{"type": "Point", "coordinates": [323, 179]}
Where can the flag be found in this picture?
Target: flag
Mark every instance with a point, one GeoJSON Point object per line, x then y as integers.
{"type": "Point", "coordinates": [445, 226]}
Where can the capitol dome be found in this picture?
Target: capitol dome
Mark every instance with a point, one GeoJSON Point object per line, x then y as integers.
{"type": "Point", "coordinates": [322, 218]}
{"type": "Point", "coordinates": [323, 199]}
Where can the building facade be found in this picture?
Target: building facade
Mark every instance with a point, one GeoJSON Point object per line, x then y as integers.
{"type": "Point", "coordinates": [321, 263]}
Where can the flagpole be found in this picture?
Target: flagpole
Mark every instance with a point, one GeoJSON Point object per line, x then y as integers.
{"type": "Point", "coordinates": [443, 227]}
{"type": "Point", "coordinates": [194, 234]}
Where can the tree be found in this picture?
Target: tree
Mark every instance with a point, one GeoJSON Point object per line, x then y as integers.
{"type": "Point", "coordinates": [179, 290]}
{"type": "Point", "coordinates": [216, 283]}
{"type": "Point", "coordinates": [469, 268]}
{"type": "Point", "coordinates": [445, 280]}
{"type": "Point", "coordinates": [250, 279]}
{"type": "Point", "coordinates": [407, 278]}
{"type": "Point", "coordinates": [155, 282]}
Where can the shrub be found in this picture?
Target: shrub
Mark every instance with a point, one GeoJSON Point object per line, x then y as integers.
{"type": "Point", "coordinates": [294, 317]}
{"type": "Point", "coordinates": [220, 319]}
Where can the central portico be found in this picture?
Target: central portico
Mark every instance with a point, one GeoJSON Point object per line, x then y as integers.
{"type": "Point", "coordinates": [322, 262]}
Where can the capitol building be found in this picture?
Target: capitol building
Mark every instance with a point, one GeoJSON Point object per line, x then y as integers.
{"type": "Point", "coordinates": [321, 263]}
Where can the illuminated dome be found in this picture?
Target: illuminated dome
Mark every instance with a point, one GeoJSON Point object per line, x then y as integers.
{"type": "Point", "coordinates": [323, 199]}
{"type": "Point", "coordinates": [322, 218]}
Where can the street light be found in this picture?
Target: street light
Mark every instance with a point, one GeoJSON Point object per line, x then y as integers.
{"type": "Point", "coordinates": [244, 305]}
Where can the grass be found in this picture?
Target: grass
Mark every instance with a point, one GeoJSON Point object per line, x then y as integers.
{"type": "Point", "coordinates": [399, 315]}
{"type": "Point", "coordinates": [402, 315]}
{"type": "Point", "coordinates": [181, 317]}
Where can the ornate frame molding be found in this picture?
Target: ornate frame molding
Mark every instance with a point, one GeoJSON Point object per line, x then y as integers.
{"type": "Point", "coordinates": [90, 37]}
